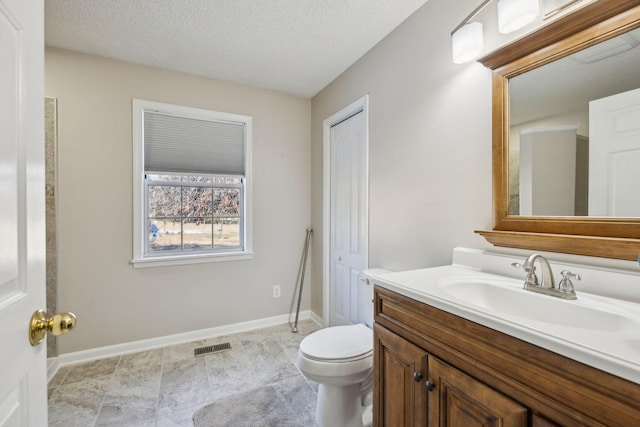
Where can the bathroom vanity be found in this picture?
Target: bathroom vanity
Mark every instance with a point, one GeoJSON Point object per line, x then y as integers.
{"type": "Point", "coordinates": [456, 347]}
{"type": "Point", "coordinates": [441, 362]}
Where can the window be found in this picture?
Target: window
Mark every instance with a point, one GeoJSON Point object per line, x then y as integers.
{"type": "Point", "coordinates": [191, 185]}
{"type": "Point", "coordinates": [193, 212]}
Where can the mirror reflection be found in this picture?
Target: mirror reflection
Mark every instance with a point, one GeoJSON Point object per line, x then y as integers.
{"type": "Point", "coordinates": [574, 134]}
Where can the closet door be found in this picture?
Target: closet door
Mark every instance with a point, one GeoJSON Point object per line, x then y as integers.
{"type": "Point", "coordinates": [348, 213]}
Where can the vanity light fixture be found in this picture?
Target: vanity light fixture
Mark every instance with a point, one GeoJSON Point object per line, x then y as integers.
{"type": "Point", "coordinates": [515, 14]}
{"type": "Point", "coordinates": [467, 40]}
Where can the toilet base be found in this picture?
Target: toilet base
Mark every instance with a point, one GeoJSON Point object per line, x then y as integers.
{"type": "Point", "coordinates": [341, 406]}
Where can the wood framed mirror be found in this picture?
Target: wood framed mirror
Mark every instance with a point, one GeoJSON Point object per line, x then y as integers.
{"type": "Point", "coordinates": [585, 230]}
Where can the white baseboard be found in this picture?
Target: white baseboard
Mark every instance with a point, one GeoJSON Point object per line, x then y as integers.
{"type": "Point", "coordinates": [148, 344]}
{"type": "Point", "coordinates": [319, 320]}
{"type": "Point", "coordinates": [52, 367]}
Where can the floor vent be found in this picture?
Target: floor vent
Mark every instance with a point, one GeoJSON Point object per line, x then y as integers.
{"type": "Point", "coordinates": [212, 349]}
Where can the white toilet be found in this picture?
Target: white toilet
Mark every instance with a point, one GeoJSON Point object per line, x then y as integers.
{"type": "Point", "coordinates": [340, 360]}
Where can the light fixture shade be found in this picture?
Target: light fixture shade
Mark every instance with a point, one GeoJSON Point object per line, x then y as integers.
{"type": "Point", "coordinates": [515, 14]}
{"type": "Point", "coordinates": [467, 43]}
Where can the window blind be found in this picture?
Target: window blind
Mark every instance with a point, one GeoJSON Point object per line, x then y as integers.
{"type": "Point", "coordinates": [186, 145]}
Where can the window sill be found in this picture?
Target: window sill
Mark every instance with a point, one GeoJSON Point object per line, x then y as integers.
{"type": "Point", "coordinates": [189, 259]}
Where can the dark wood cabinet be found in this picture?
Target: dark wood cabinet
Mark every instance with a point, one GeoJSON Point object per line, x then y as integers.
{"type": "Point", "coordinates": [457, 400]}
{"type": "Point", "coordinates": [400, 372]}
{"type": "Point", "coordinates": [437, 369]}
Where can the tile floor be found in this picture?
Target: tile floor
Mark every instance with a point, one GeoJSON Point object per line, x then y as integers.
{"type": "Point", "coordinates": [166, 386]}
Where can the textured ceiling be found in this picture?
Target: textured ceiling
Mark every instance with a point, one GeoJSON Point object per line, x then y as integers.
{"type": "Point", "coordinates": [293, 46]}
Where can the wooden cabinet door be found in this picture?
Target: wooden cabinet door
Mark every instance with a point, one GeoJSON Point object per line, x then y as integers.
{"type": "Point", "coordinates": [457, 400]}
{"type": "Point", "coordinates": [400, 371]}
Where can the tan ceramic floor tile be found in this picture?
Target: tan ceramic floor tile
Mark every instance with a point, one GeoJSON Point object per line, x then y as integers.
{"type": "Point", "coordinates": [166, 386]}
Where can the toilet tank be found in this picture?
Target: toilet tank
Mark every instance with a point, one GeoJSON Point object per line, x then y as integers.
{"type": "Point", "coordinates": [365, 295]}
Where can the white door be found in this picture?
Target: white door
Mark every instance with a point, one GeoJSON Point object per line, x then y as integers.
{"type": "Point", "coordinates": [348, 213]}
{"type": "Point", "coordinates": [23, 376]}
{"type": "Point", "coordinates": [614, 155]}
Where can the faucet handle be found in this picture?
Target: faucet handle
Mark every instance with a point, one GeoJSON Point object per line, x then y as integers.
{"type": "Point", "coordinates": [531, 279]}
{"type": "Point", "coordinates": [566, 274]}
{"type": "Point", "coordinates": [565, 284]}
{"type": "Point", "coordinates": [528, 269]}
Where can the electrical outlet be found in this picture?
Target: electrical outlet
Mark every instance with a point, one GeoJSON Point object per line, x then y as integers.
{"type": "Point", "coordinates": [276, 291]}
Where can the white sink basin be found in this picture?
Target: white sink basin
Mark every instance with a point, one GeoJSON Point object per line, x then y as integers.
{"type": "Point", "coordinates": [596, 330]}
{"type": "Point", "coordinates": [504, 297]}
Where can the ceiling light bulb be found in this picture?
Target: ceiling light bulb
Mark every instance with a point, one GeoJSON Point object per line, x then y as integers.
{"type": "Point", "coordinates": [515, 14]}
{"type": "Point", "coordinates": [467, 43]}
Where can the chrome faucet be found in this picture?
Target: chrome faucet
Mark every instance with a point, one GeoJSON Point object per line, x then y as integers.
{"type": "Point", "coordinates": [547, 285]}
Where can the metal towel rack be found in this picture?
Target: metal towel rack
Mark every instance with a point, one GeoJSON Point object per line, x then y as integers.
{"type": "Point", "coordinates": [301, 270]}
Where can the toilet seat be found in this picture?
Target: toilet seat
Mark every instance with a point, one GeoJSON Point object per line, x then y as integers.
{"type": "Point", "coordinates": [340, 360]}
{"type": "Point", "coordinates": [338, 344]}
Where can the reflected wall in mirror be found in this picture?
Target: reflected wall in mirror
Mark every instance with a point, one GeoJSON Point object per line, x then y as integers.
{"type": "Point", "coordinates": [574, 133]}
{"type": "Point", "coordinates": [566, 116]}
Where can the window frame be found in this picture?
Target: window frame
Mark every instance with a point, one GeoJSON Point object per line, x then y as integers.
{"type": "Point", "coordinates": [143, 258]}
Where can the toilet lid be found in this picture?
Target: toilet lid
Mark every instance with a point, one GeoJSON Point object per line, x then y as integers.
{"type": "Point", "coordinates": [338, 343]}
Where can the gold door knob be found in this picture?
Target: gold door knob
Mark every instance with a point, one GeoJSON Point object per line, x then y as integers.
{"type": "Point", "coordinates": [59, 324]}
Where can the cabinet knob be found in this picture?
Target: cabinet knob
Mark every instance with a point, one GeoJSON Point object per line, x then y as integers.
{"type": "Point", "coordinates": [417, 376]}
{"type": "Point", "coordinates": [430, 385]}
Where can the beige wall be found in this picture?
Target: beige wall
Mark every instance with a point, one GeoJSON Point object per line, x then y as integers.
{"type": "Point", "coordinates": [430, 144]}
{"type": "Point", "coordinates": [430, 140]}
{"type": "Point", "coordinates": [116, 303]}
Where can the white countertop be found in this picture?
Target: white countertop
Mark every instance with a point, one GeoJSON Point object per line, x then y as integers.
{"type": "Point", "coordinates": [614, 351]}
